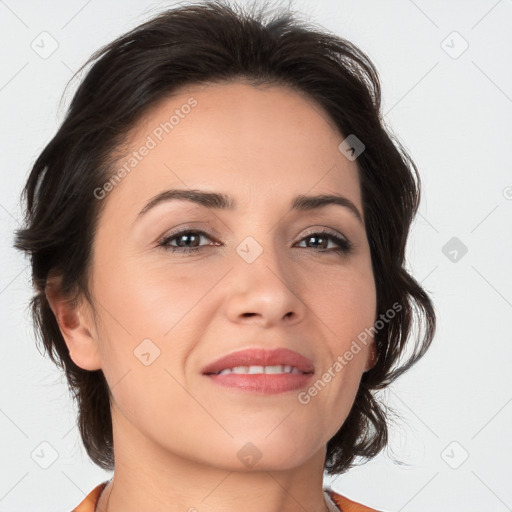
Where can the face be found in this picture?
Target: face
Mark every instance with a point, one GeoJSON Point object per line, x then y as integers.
{"type": "Point", "coordinates": [259, 275]}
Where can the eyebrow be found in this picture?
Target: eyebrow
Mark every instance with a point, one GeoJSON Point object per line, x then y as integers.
{"type": "Point", "coordinates": [220, 201]}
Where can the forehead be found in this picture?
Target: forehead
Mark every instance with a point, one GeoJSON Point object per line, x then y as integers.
{"type": "Point", "coordinates": [261, 145]}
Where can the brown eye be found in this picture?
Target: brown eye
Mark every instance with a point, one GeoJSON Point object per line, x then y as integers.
{"type": "Point", "coordinates": [322, 239]}
{"type": "Point", "coordinates": [188, 241]}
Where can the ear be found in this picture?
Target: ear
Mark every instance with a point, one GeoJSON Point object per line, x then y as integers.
{"type": "Point", "coordinates": [76, 326]}
{"type": "Point", "coordinates": [372, 357]}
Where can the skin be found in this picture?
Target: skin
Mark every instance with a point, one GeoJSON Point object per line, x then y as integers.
{"type": "Point", "coordinates": [177, 434]}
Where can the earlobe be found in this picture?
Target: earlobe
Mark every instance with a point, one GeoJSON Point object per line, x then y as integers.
{"type": "Point", "coordinates": [75, 326]}
{"type": "Point", "coordinates": [372, 358]}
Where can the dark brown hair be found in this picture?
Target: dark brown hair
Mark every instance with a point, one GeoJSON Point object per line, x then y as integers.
{"type": "Point", "coordinates": [213, 42]}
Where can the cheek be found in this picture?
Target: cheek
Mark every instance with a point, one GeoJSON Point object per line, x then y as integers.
{"type": "Point", "coordinates": [344, 306]}
{"type": "Point", "coordinates": [150, 321]}
{"type": "Point", "coordinates": [345, 300]}
{"type": "Point", "coordinates": [149, 301]}
{"type": "Point", "coordinates": [347, 310]}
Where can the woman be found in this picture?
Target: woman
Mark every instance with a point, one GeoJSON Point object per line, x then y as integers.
{"type": "Point", "coordinates": [217, 234]}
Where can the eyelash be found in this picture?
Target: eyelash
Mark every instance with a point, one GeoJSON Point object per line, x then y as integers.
{"type": "Point", "coordinates": [344, 246]}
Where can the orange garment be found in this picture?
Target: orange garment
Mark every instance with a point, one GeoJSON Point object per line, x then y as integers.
{"type": "Point", "coordinates": [91, 500]}
{"type": "Point", "coordinates": [344, 504]}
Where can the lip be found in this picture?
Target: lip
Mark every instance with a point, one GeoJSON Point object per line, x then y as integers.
{"type": "Point", "coordinates": [261, 357]}
{"type": "Point", "coordinates": [262, 383]}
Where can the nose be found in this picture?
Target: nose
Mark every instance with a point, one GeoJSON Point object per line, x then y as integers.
{"type": "Point", "coordinates": [264, 292]}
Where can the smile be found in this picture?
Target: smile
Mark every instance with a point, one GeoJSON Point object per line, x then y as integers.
{"type": "Point", "coordinates": [251, 370]}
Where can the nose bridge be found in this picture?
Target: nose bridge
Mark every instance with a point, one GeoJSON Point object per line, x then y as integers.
{"type": "Point", "coordinates": [262, 251]}
{"type": "Point", "coordinates": [262, 283]}
{"type": "Point", "coordinates": [254, 254]}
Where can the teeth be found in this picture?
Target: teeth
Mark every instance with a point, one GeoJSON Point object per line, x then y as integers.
{"type": "Point", "coordinates": [261, 369]}
{"type": "Point", "coordinates": [274, 369]}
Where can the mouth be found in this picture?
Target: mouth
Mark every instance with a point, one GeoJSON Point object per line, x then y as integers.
{"type": "Point", "coordinates": [261, 371]}
{"type": "Point", "coordinates": [258, 369]}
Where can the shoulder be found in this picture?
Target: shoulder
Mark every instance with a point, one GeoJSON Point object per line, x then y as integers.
{"type": "Point", "coordinates": [347, 505]}
{"type": "Point", "coordinates": [90, 501]}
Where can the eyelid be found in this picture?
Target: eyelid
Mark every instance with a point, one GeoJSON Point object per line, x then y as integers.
{"type": "Point", "coordinates": [325, 229]}
{"type": "Point", "coordinates": [204, 229]}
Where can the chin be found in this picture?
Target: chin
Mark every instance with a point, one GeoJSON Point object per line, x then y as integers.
{"type": "Point", "coordinates": [273, 453]}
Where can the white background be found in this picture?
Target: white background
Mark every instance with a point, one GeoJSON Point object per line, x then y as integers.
{"type": "Point", "coordinates": [452, 114]}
